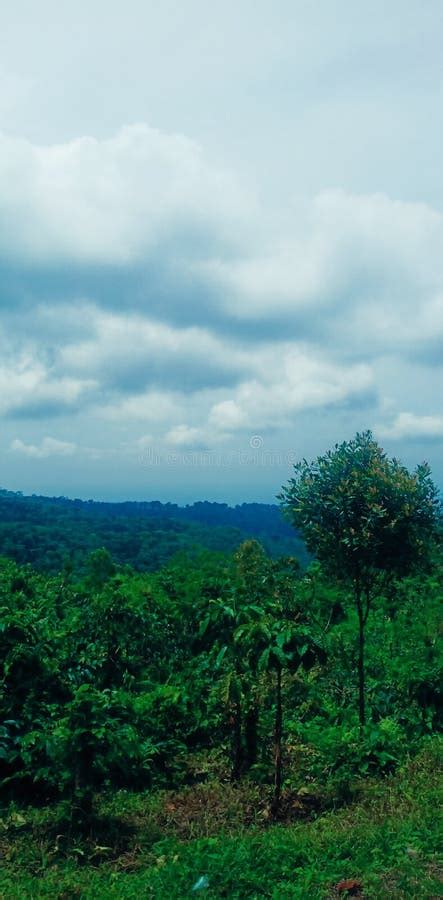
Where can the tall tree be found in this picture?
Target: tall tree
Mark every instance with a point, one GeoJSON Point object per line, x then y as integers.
{"type": "Point", "coordinates": [366, 518]}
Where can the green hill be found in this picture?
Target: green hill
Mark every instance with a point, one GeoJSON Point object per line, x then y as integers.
{"type": "Point", "coordinates": [49, 531]}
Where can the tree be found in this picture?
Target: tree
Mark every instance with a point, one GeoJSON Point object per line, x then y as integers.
{"type": "Point", "coordinates": [93, 738]}
{"type": "Point", "coordinates": [239, 603]}
{"type": "Point", "coordinates": [275, 637]}
{"type": "Point", "coordinates": [230, 627]}
{"type": "Point", "coordinates": [100, 568]}
{"type": "Point", "coordinates": [275, 646]}
{"type": "Point", "coordinates": [366, 518]}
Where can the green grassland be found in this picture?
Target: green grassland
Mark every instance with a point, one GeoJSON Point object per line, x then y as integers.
{"type": "Point", "coordinates": [161, 845]}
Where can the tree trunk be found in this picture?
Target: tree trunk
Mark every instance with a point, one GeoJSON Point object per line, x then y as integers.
{"type": "Point", "coordinates": [237, 755]}
{"type": "Point", "coordinates": [278, 767]}
{"type": "Point", "coordinates": [82, 802]}
{"type": "Point", "coordinates": [251, 737]}
{"type": "Point", "coordinates": [361, 668]}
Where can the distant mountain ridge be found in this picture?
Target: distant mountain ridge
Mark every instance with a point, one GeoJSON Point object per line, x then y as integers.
{"type": "Point", "coordinates": [48, 531]}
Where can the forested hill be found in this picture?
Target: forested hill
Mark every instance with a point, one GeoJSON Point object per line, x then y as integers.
{"type": "Point", "coordinates": [49, 531]}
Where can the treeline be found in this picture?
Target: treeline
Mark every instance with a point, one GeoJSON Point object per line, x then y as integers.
{"type": "Point", "coordinates": [51, 532]}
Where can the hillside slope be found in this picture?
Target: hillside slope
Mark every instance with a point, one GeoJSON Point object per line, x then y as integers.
{"type": "Point", "coordinates": [48, 531]}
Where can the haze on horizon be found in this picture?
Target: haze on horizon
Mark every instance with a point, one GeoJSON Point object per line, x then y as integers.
{"type": "Point", "coordinates": [221, 241]}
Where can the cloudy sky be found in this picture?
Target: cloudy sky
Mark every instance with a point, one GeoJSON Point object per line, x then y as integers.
{"type": "Point", "coordinates": [221, 241]}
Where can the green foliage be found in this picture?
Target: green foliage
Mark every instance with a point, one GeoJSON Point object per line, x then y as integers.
{"type": "Point", "coordinates": [367, 519]}
{"type": "Point", "coordinates": [224, 667]}
{"type": "Point", "coordinates": [361, 513]}
{"type": "Point", "coordinates": [53, 533]}
{"type": "Point", "coordinates": [164, 666]}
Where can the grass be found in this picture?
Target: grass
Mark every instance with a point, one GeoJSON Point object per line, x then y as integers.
{"type": "Point", "coordinates": [219, 841]}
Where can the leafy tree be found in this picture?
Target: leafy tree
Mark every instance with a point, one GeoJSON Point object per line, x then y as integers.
{"type": "Point", "coordinates": [100, 568]}
{"type": "Point", "coordinates": [276, 646]}
{"type": "Point", "coordinates": [243, 600]}
{"type": "Point", "coordinates": [234, 681]}
{"type": "Point", "coordinates": [367, 519]}
{"type": "Point", "coordinates": [93, 737]}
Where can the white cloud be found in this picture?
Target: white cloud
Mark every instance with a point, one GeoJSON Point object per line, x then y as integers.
{"type": "Point", "coordinates": [111, 201]}
{"type": "Point", "coordinates": [184, 436]}
{"type": "Point", "coordinates": [212, 326]}
{"type": "Point", "coordinates": [48, 447]}
{"type": "Point", "coordinates": [136, 350]}
{"type": "Point", "coordinates": [156, 407]}
{"type": "Point", "coordinates": [409, 425]}
{"type": "Point", "coordinates": [358, 267]}
{"type": "Point", "coordinates": [228, 415]}
{"type": "Point", "coordinates": [298, 382]}
{"type": "Point", "coordinates": [353, 268]}
{"type": "Point", "coordinates": [26, 385]}
{"type": "Point", "coordinates": [274, 383]}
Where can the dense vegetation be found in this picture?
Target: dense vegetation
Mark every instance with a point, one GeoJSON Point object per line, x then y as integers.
{"type": "Point", "coordinates": [50, 532]}
{"type": "Point", "coordinates": [197, 728]}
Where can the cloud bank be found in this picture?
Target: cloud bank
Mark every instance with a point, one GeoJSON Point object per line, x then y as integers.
{"type": "Point", "coordinates": [146, 290]}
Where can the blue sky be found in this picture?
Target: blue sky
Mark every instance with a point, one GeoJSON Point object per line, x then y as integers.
{"type": "Point", "coordinates": [221, 241]}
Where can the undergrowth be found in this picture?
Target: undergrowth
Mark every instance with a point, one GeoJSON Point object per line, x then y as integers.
{"type": "Point", "coordinates": [216, 840]}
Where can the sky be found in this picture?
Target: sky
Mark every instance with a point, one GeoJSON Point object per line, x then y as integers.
{"type": "Point", "coordinates": [221, 241]}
